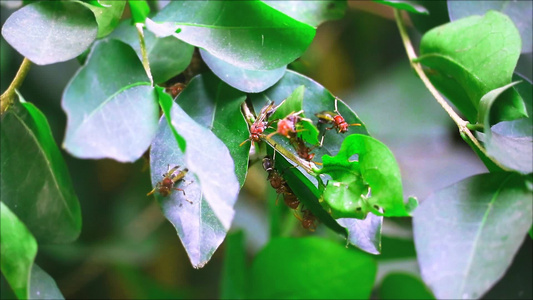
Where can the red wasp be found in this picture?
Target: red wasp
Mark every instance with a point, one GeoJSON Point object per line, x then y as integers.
{"type": "Point", "coordinates": [302, 150]}
{"type": "Point", "coordinates": [335, 118]}
{"type": "Point", "coordinates": [165, 186]}
{"type": "Point", "coordinates": [287, 125]}
{"type": "Point", "coordinates": [260, 124]}
{"type": "Point", "coordinates": [308, 220]}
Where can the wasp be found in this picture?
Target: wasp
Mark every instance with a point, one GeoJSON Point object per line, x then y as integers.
{"type": "Point", "coordinates": [308, 219]}
{"type": "Point", "coordinates": [175, 89]}
{"type": "Point", "coordinates": [334, 118]}
{"type": "Point", "coordinates": [301, 149]}
{"type": "Point", "coordinates": [279, 184]}
{"type": "Point", "coordinates": [261, 123]}
{"type": "Point", "coordinates": [170, 178]}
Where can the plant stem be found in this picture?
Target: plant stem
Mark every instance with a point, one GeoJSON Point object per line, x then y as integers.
{"type": "Point", "coordinates": [6, 99]}
{"type": "Point", "coordinates": [145, 62]}
{"type": "Point", "coordinates": [462, 124]}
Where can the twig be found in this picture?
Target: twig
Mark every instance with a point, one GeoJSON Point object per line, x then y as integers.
{"type": "Point", "coordinates": [6, 99]}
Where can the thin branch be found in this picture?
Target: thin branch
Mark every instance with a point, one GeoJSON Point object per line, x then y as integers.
{"type": "Point", "coordinates": [462, 124]}
{"type": "Point", "coordinates": [144, 54]}
{"type": "Point", "coordinates": [6, 99]}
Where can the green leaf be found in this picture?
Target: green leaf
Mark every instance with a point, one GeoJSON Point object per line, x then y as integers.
{"type": "Point", "coordinates": [467, 234]}
{"type": "Point", "coordinates": [309, 268]}
{"type": "Point", "coordinates": [410, 6]}
{"type": "Point", "coordinates": [42, 286]}
{"type": "Point", "coordinates": [18, 249]}
{"type": "Point", "coordinates": [294, 103]}
{"type": "Point", "coordinates": [472, 56]}
{"type": "Point", "coordinates": [513, 152]}
{"type": "Point", "coordinates": [519, 11]}
{"type": "Point", "coordinates": [139, 10]}
{"type": "Point", "coordinates": [217, 106]}
{"type": "Point", "coordinates": [212, 185]}
{"type": "Point", "coordinates": [112, 109]}
{"type": "Point", "coordinates": [250, 81]}
{"type": "Point", "coordinates": [437, 15]}
{"type": "Point", "coordinates": [48, 32]}
{"type": "Point", "coordinates": [108, 14]}
{"type": "Point", "coordinates": [234, 275]}
{"type": "Point", "coordinates": [258, 37]}
{"type": "Point", "coordinates": [35, 183]}
{"type": "Point", "coordinates": [403, 286]}
{"type": "Point", "coordinates": [311, 12]}
{"type": "Point", "coordinates": [358, 184]}
{"type": "Point", "coordinates": [167, 56]}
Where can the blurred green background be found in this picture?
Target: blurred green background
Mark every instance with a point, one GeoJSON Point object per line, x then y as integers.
{"type": "Point", "coordinates": [128, 250]}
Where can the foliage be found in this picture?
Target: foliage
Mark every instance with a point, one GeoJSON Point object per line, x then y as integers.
{"type": "Point", "coordinates": [207, 89]}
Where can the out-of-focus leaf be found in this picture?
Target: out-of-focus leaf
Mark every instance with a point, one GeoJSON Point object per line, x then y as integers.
{"type": "Point", "coordinates": [519, 11]}
{"type": "Point", "coordinates": [18, 249]}
{"type": "Point", "coordinates": [48, 32]}
{"type": "Point", "coordinates": [111, 108]}
{"type": "Point", "coordinates": [513, 152]}
{"type": "Point", "coordinates": [35, 183]}
{"type": "Point", "coordinates": [410, 6]}
{"type": "Point", "coordinates": [403, 286]}
{"type": "Point", "coordinates": [467, 234]}
{"type": "Point", "coordinates": [249, 81]}
{"type": "Point", "coordinates": [258, 37]}
{"type": "Point", "coordinates": [364, 234]}
{"type": "Point", "coordinates": [217, 106]}
{"type": "Point", "coordinates": [139, 10]}
{"type": "Point", "coordinates": [311, 12]}
{"type": "Point", "coordinates": [212, 185]}
{"type": "Point", "coordinates": [437, 15]}
{"type": "Point", "coordinates": [309, 268]}
{"type": "Point", "coordinates": [107, 16]}
{"type": "Point", "coordinates": [364, 174]}
{"type": "Point", "coordinates": [167, 56]}
{"type": "Point", "coordinates": [472, 56]}
{"type": "Point", "coordinates": [294, 104]}
{"type": "Point", "coordinates": [234, 275]}
{"type": "Point", "coordinates": [42, 286]}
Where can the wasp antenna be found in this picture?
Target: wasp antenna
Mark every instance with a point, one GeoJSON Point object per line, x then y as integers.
{"type": "Point", "coordinates": [151, 192]}
{"type": "Point", "coordinates": [355, 124]}
{"type": "Point", "coordinates": [317, 163]}
{"type": "Point", "coordinates": [272, 134]}
{"type": "Point", "coordinates": [244, 142]}
{"type": "Point", "coordinates": [336, 104]}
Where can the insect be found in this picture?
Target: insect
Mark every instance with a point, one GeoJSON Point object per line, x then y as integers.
{"type": "Point", "coordinates": [302, 150]}
{"type": "Point", "coordinates": [165, 186]}
{"type": "Point", "coordinates": [334, 118]}
{"type": "Point", "coordinates": [279, 184]}
{"type": "Point", "coordinates": [291, 200]}
{"type": "Point", "coordinates": [287, 125]}
{"type": "Point", "coordinates": [261, 123]}
{"type": "Point", "coordinates": [175, 89]}
{"type": "Point", "coordinates": [308, 219]}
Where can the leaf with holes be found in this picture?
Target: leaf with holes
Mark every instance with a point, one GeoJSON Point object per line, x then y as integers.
{"type": "Point", "coordinates": [111, 108]}
{"type": "Point", "coordinates": [48, 32]}
{"type": "Point", "coordinates": [34, 179]}
{"type": "Point", "coordinates": [467, 234]}
{"type": "Point", "coordinates": [364, 178]}
{"type": "Point", "coordinates": [257, 38]}
{"type": "Point", "coordinates": [202, 214]}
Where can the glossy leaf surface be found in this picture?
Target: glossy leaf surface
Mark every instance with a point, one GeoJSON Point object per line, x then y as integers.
{"type": "Point", "coordinates": [212, 185]}
{"type": "Point", "coordinates": [519, 11]}
{"type": "Point", "coordinates": [294, 268]}
{"type": "Point", "coordinates": [112, 109]}
{"type": "Point", "coordinates": [167, 56]}
{"type": "Point", "coordinates": [217, 106]}
{"type": "Point", "coordinates": [42, 286]}
{"type": "Point", "coordinates": [35, 183]}
{"type": "Point", "coordinates": [472, 56]}
{"type": "Point", "coordinates": [108, 15]}
{"type": "Point", "coordinates": [410, 6]}
{"type": "Point", "coordinates": [467, 234]}
{"type": "Point", "coordinates": [48, 32]}
{"type": "Point", "coordinates": [364, 174]}
{"type": "Point", "coordinates": [18, 249]}
{"type": "Point", "coordinates": [311, 12]}
{"type": "Point", "coordinates": [514, 152]}
{"type": "Point", "coordinates": [250, 81]}
{"type": "Point", "coordinates": [257, 38]}
{"type": "Point", "coordinates": [364, 234]}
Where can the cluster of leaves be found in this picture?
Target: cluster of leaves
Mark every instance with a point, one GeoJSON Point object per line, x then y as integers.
{"type": "Point", "coordinates": [113, 107]}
